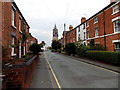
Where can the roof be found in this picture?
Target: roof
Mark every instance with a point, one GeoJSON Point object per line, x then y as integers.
{"type": "Point", "coordinates": [97, 13]}
{"type": "Point", "coordinates": [20, 12]}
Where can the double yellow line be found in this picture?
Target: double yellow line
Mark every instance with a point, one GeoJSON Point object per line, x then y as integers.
{"type": "Point", "coordinates": [58, 84]}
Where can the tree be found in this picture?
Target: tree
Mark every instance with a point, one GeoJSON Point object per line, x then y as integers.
{"type": "Point", "coordinates": [79, 43]}
{"type": "Point", "coordinates": [70, 48]}
{"type": "Point", "coordinates": [35, 48]}
{"type": "Point", "coordinates": [56, 45]}
{"type": "Point", "coordinates": [49, 48]}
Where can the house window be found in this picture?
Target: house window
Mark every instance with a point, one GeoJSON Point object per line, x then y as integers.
{"type": "Point", "coordinates": [31, 42]}
{"type": "Point", "coordinates": [13, 49]}
{"type": "Point", "coordinates": [20, 25]}
{"type": "Point", "coordinates": [95, 19]}
{"type": "Point", "coordinates": [13, 17]}
{"type": "Point", "coordinates": [84, 36]}
{"type": "Point", "coordinates": [117, 46]}
{"type": "Point", "coordinates": [116, 26]}
{"type": "Point", "coordinates": [115, 9]}
{"type": "Point", "coordinates": [79, 38]}
{"type": "Point", "coordinates": [96, 31]}
{"type": "Point", "coordinates": [79, 29]}
{"type": "Point", "coordinates": [84, 26]}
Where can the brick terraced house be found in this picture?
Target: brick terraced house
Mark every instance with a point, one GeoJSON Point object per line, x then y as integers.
{"type": "Point", "coordinates": [15, 30]}
{"type": "Point", "coordinates": [81, 31]}
{"type": "Point", "coordinates": [71, 35]}
{"type": "Point", "coordinates": [104, 27]}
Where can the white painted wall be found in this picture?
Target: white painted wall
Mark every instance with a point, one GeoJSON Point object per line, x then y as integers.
{"type": "Point", "coordinates": [81, 32]}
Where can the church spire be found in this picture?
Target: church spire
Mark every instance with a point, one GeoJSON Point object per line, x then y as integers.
{"type": "Point", "coordinates": [55, 33]}
{"type": "Point", "coordinates": [55, 27]}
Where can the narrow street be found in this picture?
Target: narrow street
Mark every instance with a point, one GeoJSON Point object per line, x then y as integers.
{"type": "Point", "coordinates": [70, 73]}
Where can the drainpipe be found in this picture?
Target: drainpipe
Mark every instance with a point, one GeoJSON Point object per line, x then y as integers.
{"type": "Point", "coordinates": [104, 30]}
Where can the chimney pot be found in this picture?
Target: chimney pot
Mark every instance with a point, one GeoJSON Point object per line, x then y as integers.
{"type": "Point", "coordinates": [70, 27]}
{"type": "Point", "coordinates": [83, 19]}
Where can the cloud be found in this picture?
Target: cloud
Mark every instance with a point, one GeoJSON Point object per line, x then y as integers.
{"type": "Point", "coordinates": [42, 35]}
{"type": "Point", "coordinates": [42, 15]}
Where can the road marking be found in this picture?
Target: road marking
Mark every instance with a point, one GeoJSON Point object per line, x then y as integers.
{"type": "Point", "coordinates": [53, 73]}
{"type": "Point", "coordinates": [100, 67]}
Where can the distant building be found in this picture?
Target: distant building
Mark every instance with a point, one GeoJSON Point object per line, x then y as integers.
{"type": "Point", "coordinates": [61, 41]}
{"type": "Point", "coordinates": [55, 33]}
{"type": "Point", "coordinates": [71, 35]}
{"type": "Point", "coordinates": [64, 37]}
{"type": "Point", "coordinates": [68, 36]}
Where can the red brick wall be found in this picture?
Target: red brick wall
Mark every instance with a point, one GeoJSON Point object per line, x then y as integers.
{"type": "Point", "coordinates": [0, 33]}
{"type": "Point", "coordinates": [8, 29]}
{"type": "Point", "coordinates": [71, 36]}
{"type": "Point", "coordinates": [104, 24]}
{"type": "Point", "coordinates": [20, 75]}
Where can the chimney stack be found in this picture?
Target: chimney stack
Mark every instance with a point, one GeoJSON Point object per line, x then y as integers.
{"type": "Point", "coordinates": [70, 27]}
{"type": "Point", "coordinates": [64, 27]}
{"type": "Point", "coordinates": [83, 19]}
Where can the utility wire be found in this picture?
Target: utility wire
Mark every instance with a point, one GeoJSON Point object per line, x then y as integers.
{"type": "Point", "coordinates": [70, 11]}
{"type": "Point", "coordinates": [49, 9]}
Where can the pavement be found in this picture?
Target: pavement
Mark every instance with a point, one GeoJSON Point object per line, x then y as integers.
{"type": "Point", "coordinates": [43, 77]}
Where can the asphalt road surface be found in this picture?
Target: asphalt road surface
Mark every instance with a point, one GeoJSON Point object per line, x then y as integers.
{"type": "Point", "coordinates": [71, 73]}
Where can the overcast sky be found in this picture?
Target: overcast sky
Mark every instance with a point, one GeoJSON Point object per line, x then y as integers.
{"type": "Point", "coordinates": [42, 15]}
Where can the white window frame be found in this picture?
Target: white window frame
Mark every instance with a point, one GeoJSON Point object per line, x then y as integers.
{"type": "Point", "coordinates": [24, 50]}
{"type": "Point", "coordinates": [13, 17]}
{"type": "Point", "coordinates": [95, 20]}
{"type": "Point", "coordinates": [96, 32]}
{"type": "Point", "coordinates": [115, 9]}
{"type": "Point", "coordinates": [20, 26]}
{"type": "Point", "coordinates": [116, 26]}
{"type": "Point", "coordinates": [84, 36]}
{"type": "Point", "coordinates": [78, 29]}
{"type": "Point", "coordinates": [20, 50]}
{"type": "Point", "coordinates": [84, 26]}
{"type": "Point", "coordinates": [31, 42]}
{"type": "Point", "coordinates": [117, 45]}
{"type": "Point", "coordinates": [13, 49]}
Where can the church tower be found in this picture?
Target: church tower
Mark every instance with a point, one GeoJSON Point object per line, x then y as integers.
{"type": "Point", "coordinates": [55, 33]}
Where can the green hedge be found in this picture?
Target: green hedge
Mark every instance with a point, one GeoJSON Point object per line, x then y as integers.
{"type": "Point", "coordinates": [81, 50]}
{"type": "Point", "coordinates": [70, 48]}
{"type": "Point", "coordinates": [106, 56]}
{"type": "Point", "coordinates": [58, 50]}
